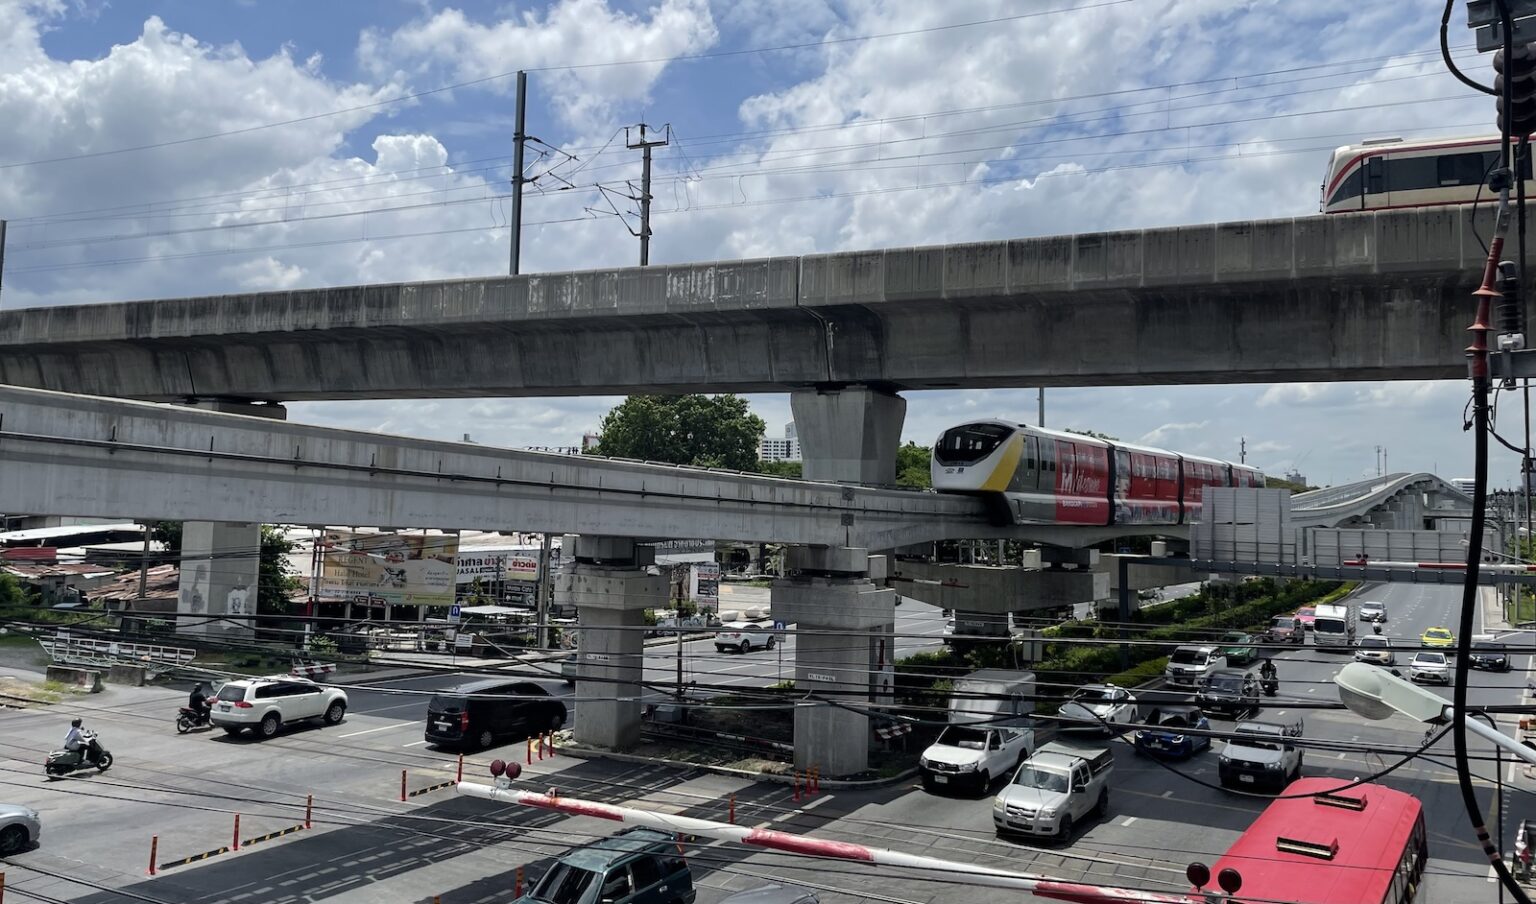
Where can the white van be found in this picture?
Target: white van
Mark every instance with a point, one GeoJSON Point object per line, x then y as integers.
{"type": "Point", "coordinates": [1334, 626]}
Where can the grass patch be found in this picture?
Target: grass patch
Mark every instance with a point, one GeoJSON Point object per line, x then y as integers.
{"type": "Point", "coordinates": [1524, 610]}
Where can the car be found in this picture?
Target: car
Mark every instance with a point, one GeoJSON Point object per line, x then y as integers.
{"type": "Point", "coordinates": [1373, 611]}
{"type": "Point", "coordinates": [744, 637]}
{"type": "Point", "coordinates": [1438, 637]}
{"type": "Point", "coordinates": [1306, 616]}
{"type": "Point", "coordinates": [1092, 705]}
{"type": "Point", "coordinates": [1165, 734]}
{"type": "Point", "coordinates": [1430, 665]}
{"type": "Point", "coordinates": [477, 714]}
{"type": "Point", "coordinates": [1189, 664]}
{"type": "Point", "coordinates": [1262, 754]}
{"type": "Point", "coordinates": [267, 704]}
{"type": "Point", "coordinates": [1285, 629]}
{"type": "Point", "coordinates": [1489, 655]}
{"type": "Point", "coordinates": [1238, 648]}
{"type": "Point", "coordinates": [1230, 692]}
{"type": "Point", "coordinates": [1376, 650]}
{"type": "Point", "coordinates": [20, 826]}
{"type": "Point", "coordinates": [638, 865]}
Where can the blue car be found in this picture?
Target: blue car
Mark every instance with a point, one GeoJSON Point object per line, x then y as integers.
{"type": "Point", "coordinates": [1165, 734]}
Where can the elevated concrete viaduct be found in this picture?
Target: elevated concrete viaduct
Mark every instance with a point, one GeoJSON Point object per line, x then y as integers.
{"type": "Point", "coordinates": [1343, 297]}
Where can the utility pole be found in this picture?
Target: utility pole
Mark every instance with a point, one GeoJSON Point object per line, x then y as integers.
{"type": "Point", "coordinates": [1041, 399]}
{"type": "Point", "coordinates": [519, 138]}
{"type": "Point", "coordinates": [1242, 450]}
{"type": "Point", "coordinates": [541, 594]}
{"type": "Point", "coordinates": [1378, 461]}
{"type": "Point", "coordinates": [2, 255]}
{"type": "Point", "coordinates": [644, 145]}
{"type": "Point", "coordinates": [149, 528]}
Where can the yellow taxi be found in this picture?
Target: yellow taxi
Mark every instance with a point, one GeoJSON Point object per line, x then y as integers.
{"type": "Point", "coordinates": [1438, 637]}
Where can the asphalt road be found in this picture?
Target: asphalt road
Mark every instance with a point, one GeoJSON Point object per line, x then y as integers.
{"type": "Point", "coordinates": [367, 846]}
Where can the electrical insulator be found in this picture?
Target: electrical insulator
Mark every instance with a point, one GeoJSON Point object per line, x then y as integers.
{"type": "Point", "coordinates": [1511, 313]}
{"type": "Point", "coordinates": [1520, 71]}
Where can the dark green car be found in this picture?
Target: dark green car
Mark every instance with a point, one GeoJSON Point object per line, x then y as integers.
{"type": "Point", "coordinates": [1238, 648]}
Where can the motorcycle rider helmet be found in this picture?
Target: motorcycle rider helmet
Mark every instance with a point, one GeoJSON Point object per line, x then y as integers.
{"type": "Point", "coordinates": [77, 723]}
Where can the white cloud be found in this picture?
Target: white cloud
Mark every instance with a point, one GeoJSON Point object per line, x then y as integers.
{"type": "Point", "coordinates": [569, 33]}
{"type": "Point", "coordinates": [1166, 433]}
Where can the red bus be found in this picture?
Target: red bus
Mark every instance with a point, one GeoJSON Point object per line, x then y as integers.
{"type": "Point", "coordinates": [1364, 845]}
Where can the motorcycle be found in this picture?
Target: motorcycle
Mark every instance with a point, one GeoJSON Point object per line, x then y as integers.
{"type": "Point", "coordinates": [188, 718]}
{"type": "Point", "coordinates": [1271, 686]}
{"type": "Point", "coordinates": [90, 755]}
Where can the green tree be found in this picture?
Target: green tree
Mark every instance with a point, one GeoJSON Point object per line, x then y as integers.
{"type": "Point", "coordinates": [275, 577]}
{"type": "Point", "coordinates": [912, 466]}
{"type": "Point", "coordinates": [11, 592]}
{"type": "Point", "coordinates": [705, 431]}
{"type": "Point", "coordinates": [1093, 433]}
{"type": "Point", "coordinates": [169, 534]}
{"type": "Point", "coordinates": [781, 468]}
{"type": "Point", "coordinates": [1280, 483]}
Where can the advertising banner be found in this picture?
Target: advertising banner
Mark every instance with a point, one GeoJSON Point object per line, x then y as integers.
{"type": "Point", "coordinates": [399, 569]}
{"type": "Point", "coordinates": [706, 584]}
{"type": "Point", "coordinates": [520, 564]}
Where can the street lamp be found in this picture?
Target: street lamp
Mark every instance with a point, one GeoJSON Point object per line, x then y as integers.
{"type": "Point", "coordinates": [1378, 694]}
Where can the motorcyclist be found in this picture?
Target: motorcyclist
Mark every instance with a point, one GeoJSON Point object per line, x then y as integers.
{"type": "Point", "coordinates": [1267, 671]}
{"type": "Point", "coordinates": [198, 700]}
{"type": "Point", "coordinates": [75, 741]}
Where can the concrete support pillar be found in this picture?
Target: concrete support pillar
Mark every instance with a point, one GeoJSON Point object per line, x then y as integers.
{"type": "Point", "coordinates": [221, 562]}
{"type": "Point", "coordinates": [832, 590]}
{"type": "Point", "coordinates": [610, 589]}
{"type": "Point", "coordinates": [849, 435]}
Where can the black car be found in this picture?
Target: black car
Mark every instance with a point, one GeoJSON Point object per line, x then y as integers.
{"type": "Point", "coordinates": [478, 714]}
{"type": "Point", "coordinates": [1489, 655]}
{"type": "Point", "coordinates": [1229, 692]}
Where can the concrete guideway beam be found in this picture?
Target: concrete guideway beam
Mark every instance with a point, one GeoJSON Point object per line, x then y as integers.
{"type": "Point", "coordinates": [95, 457]}
{"type": "Point", "coordinates": [611, 590]}
{"type": "Point", "coordinates": [997, 590]}
{"type": "Point", "coordinates": [850, 665]}
{"type": "Point", "coordinates": [849, 435]}
{"type": "Point", "coordinates": [1366, 296]}
{"type": "Point", "coordinates": [1140, 576]}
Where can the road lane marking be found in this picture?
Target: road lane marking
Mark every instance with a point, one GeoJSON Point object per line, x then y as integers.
{"type": "Point", "coordinates": [1127, 821]}
{"type": "Point", "coordinates": [415, 743]}
{"type": "Point", "coordinates": [353, 734]}
{"type": "Point", "coordinates": [1167, 794]}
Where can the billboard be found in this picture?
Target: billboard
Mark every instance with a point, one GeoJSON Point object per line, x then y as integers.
{"type": "Point", "coordinates": [514, 564]}
{"type": "Point", "coordinates": [706, 584]}
{"type": "Point", "coordinates": [398, 569]}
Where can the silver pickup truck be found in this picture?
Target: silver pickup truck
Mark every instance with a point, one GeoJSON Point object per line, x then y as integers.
{"type": "Point", "coordinates": [1053, 790]}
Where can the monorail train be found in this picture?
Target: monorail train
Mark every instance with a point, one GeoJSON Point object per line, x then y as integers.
{"type": "Point", "coordinates": [1387, 173]}
{"type": "Point", "coordinates": [1030, 475]}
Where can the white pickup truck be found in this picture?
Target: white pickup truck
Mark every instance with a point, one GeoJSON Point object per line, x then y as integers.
{"type": "Point", "coordinates": [970, 757]}
{"type": "Point", "coordinates": [1053, 790]}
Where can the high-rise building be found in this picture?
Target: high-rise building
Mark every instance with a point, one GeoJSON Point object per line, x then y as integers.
{"type": "Point", "coordinates": [785, 448]}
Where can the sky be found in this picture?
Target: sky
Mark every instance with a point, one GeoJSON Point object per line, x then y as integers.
{"type": "Point", "coordinates": [177, 147]}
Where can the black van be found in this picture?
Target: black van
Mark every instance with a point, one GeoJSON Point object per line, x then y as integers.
{"type": "Point", "coordinates": [479, 713]}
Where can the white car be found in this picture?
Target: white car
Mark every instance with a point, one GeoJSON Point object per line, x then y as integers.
{"type": "Point", "coordinates": [744, 637]}
{"type": "Point", "coordinates": [1376, 650]}
{"type": "Point", "coordinates": [1427, 665]}
{"type": "Point", "coordinates": [266, 703]}
{"type": "Point", "coordinates": [1093, 705]}
{"type": "Point", "coordinates": [19, 826]}
{"type": "Point", "coordinates": [1373, 611]}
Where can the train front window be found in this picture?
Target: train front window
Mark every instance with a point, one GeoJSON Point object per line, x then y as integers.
{"type": "Point", "coordinates": [970, 443]}
{"type": "Point", "coordinates": [1349, 189]}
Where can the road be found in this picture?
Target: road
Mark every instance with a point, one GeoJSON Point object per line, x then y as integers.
{"type": "Point", "coordinates": [367, 846]}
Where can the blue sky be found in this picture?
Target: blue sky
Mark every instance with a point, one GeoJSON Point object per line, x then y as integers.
{"type": "Point", "coordinates": [1083, 115]}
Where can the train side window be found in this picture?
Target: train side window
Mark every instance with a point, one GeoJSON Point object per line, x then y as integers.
{"type": "Point", "coordinates": [1461, 169]}
{"type": "Point", "coordinates": [1412, 173]}
{"type": "Point", "coordinates": [1349, 188]}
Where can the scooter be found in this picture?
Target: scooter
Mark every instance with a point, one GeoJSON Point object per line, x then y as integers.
{"type": "Point", "coordinates": [1271, 686]}
{"type": "Point", "coordinates": [188, 718]}
{"type": "Point", "coordinates": [90, 755]}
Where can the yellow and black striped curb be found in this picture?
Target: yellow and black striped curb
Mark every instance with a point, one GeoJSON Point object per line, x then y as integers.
{"type": "Point", "coordinates": [430, 788]}
{"type": "Point", "coordinates": [195, 858]}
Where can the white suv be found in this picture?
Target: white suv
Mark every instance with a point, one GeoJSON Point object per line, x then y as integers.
{"type": "Point", "coordinates": [744, 637]}
{"type": "Point", "coordinates": [266, 703]}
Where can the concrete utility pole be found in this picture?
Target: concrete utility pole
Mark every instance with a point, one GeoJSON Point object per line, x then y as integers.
{"type": "Point", "coordinates": [2, 255]}
{"type": "Point", "coordinates": [541, 589]}
{"type": "Point", "coordinates": [644, 147]}
{"type": "Point", "coordinates": [519, 138]}
{"type": "Point", "coordinates": [1242, 450]}
{"type": "Point", "coordinates": [1041, 400]}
